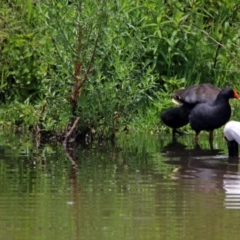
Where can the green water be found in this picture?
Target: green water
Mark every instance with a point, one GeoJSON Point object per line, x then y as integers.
{"type": "Point", "coordinates": [144, 187]}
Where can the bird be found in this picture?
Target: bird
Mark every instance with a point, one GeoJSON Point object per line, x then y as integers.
{"type": "Point", "coordinates": [176, 117]}
{"type": "Point", "coordinates": [212, 115]}
{"type": "Point", "coordinates": [232, 135]}
{"type": "Point", "coordinates": [187, 98]}
{"type": "Point", "coordinates": [200, 93]}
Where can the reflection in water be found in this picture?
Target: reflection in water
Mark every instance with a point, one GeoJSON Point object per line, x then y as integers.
{"type": "Point", "coordinates": [128, 191]}
{"type": "Point", "coordinates": [177, 149]}
{"type": "Point", "coordinates": [214, 171]}
{"type": "Point", "coordinates": [231, 185]}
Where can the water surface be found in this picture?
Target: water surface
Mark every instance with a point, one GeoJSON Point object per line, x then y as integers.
{"type": "Point", "coordinates": [144, 187]}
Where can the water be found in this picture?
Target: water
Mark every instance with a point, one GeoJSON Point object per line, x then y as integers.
{"type": "Point", "coordinates": [144, 187]}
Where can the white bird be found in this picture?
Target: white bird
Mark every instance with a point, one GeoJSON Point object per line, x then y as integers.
{"type": "Point", "coordinates": [232, 135]}
{"type": "Point", "coordinates": [232, 131]}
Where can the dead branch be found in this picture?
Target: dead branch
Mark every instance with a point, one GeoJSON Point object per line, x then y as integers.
{"type": "Point", "coordinates": [69, 133]}
{"type": "Point", "coordinates": [70, 157]}
{"type": "Point", "coordinates": [221, 45]}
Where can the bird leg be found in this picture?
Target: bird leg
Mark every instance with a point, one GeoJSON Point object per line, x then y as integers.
{"type": "Point", "coordinates": [174, 130]}
{"type": "Point", "coordinates": [211, 135]}
{"type": "Point", "coordinates": [211, 139]}
{"type": "Point", "coordinates": [196, 138]}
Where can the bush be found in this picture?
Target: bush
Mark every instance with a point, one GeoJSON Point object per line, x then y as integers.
{"type": "Point", "coordinates": [114, 64]}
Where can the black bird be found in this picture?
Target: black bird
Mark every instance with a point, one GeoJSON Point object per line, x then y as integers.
{"type": "Point", "coordinates": [176, 117]}
{"type": "Point", "coordinates": [212, 115]}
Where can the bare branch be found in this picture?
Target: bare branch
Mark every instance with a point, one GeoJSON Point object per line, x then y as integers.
{"type": "Point", "coordinates": [221, 45]}
{"type": "Point", "coordinates": [69, 134]}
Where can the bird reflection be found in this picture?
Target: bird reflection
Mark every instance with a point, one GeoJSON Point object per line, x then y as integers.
{"type": "Point", "coordinates": [212, 170]}
{"type": "Point", "coordinates": [177, 152]}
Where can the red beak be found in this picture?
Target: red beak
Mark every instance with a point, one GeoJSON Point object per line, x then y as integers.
{"type": "Point", "coordinates": [235, 94]}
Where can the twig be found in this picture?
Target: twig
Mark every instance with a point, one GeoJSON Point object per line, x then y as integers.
{"type": "Point", "coordinates": [226, 70]}
{"type": "Point", "coordinates": [68, 135]}
{"type": "Point", "coordinates": [79, 84]}
{"type": "Point", "coordinates": [90, 62]}
{"type": "Point", "coordinates": [71, 159]}
{"type": "Point", "coordinates": [221, 45]}
{"type": "Point", "coordinates": [216, 56]}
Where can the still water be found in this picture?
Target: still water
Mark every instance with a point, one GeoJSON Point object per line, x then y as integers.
{"type": "Point", "coordinates": [144, 187]}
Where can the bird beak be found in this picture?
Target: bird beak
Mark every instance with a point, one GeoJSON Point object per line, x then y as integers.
{"type": "Point", "coordinates": [235, 94]}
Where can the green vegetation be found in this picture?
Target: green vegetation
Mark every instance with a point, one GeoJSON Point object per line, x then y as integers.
{"type": "Point", "coordinates": [114, 64]}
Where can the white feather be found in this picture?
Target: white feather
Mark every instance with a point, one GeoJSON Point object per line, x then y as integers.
{"type": "Point", "coordinates": [232, 131]}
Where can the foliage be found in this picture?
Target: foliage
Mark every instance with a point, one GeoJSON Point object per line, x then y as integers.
{"type": "Point", "coordinates": [123, 57]}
